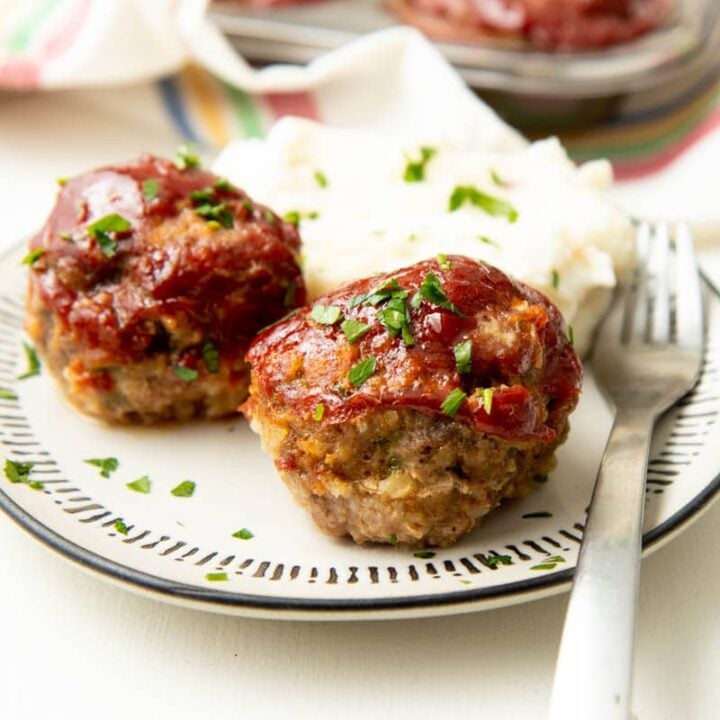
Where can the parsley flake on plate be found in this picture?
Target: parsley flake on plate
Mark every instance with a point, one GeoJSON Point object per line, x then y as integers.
{"type": "Point", "coordinates": [443, 261]}
{"type": "Point", "coordinates": [106, 465]}
{"type": "Point", "coordinates": [555, 279]}
{"type": "Point", "coordinates": [19, 472]}
{"type": "Point", "coordinates": [492, 561]}
{"type": "Point", "coordinates": [141, 485]}
{"type": "Point", "coordinates": [488, 203]}
{"type": "Point", "coordinates": [453, 402]}
{"type": "Point", "coordinates": [217, 577]}
{"type": "Point", "coordinates": [33, 362]}
{"type": "Point", "coordinates": [6, 394]}
{"type": "Point", "coordinates": [415, 169]}
{"type": "Point", "coordinates": [243, 534]}
{"type": "Point", "coordinates": [120, 527]}
{"type": "Point", "coordinates": [571, 335]}
{"type": "Point", "coordinates": [424, 554]}
{"type": "Point", "coordinates": [549, 563]}
{"type": "Point", "coordinates": [320, 178]}
{"type": "Point", "coordinates": [362, 371]}
{"type": "Point", "coordinates": [185, 489]}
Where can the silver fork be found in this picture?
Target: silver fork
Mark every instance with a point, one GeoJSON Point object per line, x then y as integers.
{"type": "Point", "coordinates": [647, 356]}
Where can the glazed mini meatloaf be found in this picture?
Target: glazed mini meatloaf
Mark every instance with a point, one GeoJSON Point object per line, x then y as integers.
{"type": "Point", "coordinates": [404, 407]}
{"type": "Point", "coordinates": [147, 284]}
{"type": "Point", "coordinates": [548, 24]}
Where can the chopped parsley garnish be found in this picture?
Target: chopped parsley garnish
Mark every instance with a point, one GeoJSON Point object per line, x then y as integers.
{"type": "Point", "coordinates": [362, 371]}
{"type": "Point", "coordinates": [354, 330]}
{"type": "Point", "coordinates": [19, 472]}
{"type": "Point", "coordinates": [109, 223]}
{"type": "Point", "coordinates": [185, 489]}
{"type": "Point", "coordinates": [485, 239]}
{"type": "Point", "coordinates": [243, 534]}
{"type": "Point", "coordinates": [33, 363]}
{"type": "Point", "coordinates": [247, 204]}
{"type": "Point", "coordinates": [211, 357]}
{"type": "Point", "coordinates": [497, 178]}
{"type": "Point", "coordinates": [205, 195]}
{"type": "Point", "coordinates": [185, 158]}
{"type": "Point", "coordinates": [320, 178]}
{"type": "Point", "coordinates": [415, 169]}
{"type": "Point", "coordinates": [492, 561]}
{"type": "Point", "coordinates": [107, 465]}
{"type": "Point", "coordinates": [6, 394]}
{"type": "Point", "coordinates": [100, 229]}
{"type": "Point", "coordinates": [295, 216]}
{"type": "Point", "coordinates": [395, 316]}
{"type": "Point", "coordinates": [217, 577]}
{"type": "Point", "coordinates": [215, 211]}
{"type": "Point", "coordinates": [326, 314]}
{"type": "Point", "coordinates": [120, 527]}
{"type": "Point", "coordinates": [319, 412]}
{"type": "Point", "coordinates": [150, 189]}
{"type": "Point", "coordinates": [491, 205]}
{"type": "Point", "coordinates": [67, 236]}
{"type": "Point", "coordinates": [424, 554]}
{"type": "Point", "coordinates": [141, 485]}
{"type": "Point", "coordinates": [186, 374]}
{"type": "Point", "coordinates": [463, 356]}
{"type": "Point", "coordinates": [555, 279]}
{"type": "Point", "coordinates": [107, 245]}
{"type": "Point", "coordinates": [443, 261]}
{"type": "Point", "coordinates": [453, 402]}
{"type": "Point", "coordinates": [540, 514]}
{"type": "Point", "coordinates": [33, 256]}
{"type": "Point", "coordinates": [223, 185]}
{"type": "Point", "coordinates": [487, 396]}
{"type": "Point", "coordinates": [571, 335]}
{"type": "Point", "coordinates": [392, 539]}
{"type": "Point", "coordinates": [550, 563]}
{"type": "Point", "coordinates": [432, 291]}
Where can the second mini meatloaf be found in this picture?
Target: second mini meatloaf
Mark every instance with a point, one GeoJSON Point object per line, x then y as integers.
{"type": "Point", "coordinates": [147, 284]}
{"type": "Point", "coordinates": [404, 407]}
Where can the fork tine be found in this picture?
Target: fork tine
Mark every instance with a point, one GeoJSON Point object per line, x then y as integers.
{"type": "Point", "coordinates": [659, 271]}
{"type": "Point", "coordinates": [636, 296]}
{"type": "Point", "coordinates": [688, 301]}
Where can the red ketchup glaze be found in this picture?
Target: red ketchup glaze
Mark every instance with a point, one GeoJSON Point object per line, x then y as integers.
{"type": "Point", "coordinates": [549, 24]}
{"type": "Point", "coordinates": [221, 283]}
{"type": "Point", "coordinates": [519, 349]}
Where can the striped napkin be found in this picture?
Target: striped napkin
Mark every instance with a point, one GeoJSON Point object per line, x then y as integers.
{"type": "Point", "coordinates": [666, 157]}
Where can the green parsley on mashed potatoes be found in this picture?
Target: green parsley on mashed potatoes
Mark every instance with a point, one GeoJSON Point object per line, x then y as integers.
{"type": "Point", "coordinates": [367, 204]}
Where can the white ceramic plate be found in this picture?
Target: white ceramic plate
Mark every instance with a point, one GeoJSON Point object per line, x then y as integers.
{"type": "Point", "coordinates": [288, 569]}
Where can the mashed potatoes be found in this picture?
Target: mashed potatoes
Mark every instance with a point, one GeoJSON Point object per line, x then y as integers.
{"type": "Point", "coordinates": [369, 204]}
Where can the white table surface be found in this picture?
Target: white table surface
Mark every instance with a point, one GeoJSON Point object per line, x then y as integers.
{"type": "Point", "coordinates": [74, 647]}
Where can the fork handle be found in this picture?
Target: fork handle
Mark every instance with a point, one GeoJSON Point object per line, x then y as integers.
{"type": "Point", "coordinates": [593, 677]}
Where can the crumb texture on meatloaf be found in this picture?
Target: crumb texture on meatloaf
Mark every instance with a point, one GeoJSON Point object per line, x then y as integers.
{"type": "Point", "coordinates": [151, 282]}
{"type": "Point", "coordinates": [469, 378]}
